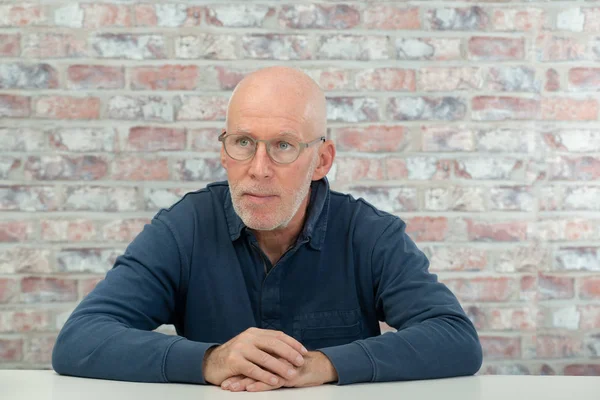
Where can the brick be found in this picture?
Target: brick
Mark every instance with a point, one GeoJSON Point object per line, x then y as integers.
{"type": "Point", "coordinates": [25, 321]}
{"type": "Point", "coordinates": [567, 229]}
{"type": "Point", "coordinates": [330, 79]}
{"type": "Point", "coordinates": [204, 139]}
{"type": "Point", "coordinates": [16, 231]}
{"type": "Point", "coordinates": [208, 46]}
{"type": "Point", "coordinates": [582, 370]}
{"type": "Point", "coordinates": [506, 140]}
{"type": "Point", "coordinates": [167, 77]}
{"type": "Point", "coordinates": [25, 260]}
{"type": "Point", "coordinates": [590, 317]}
{"type": "Point", "coordinates": [373, 138]}
{"type": "Point", "coordinates": [512, 79]}
{"type": "Point", "coordinates": [200, 108]}
{"type": "Point", "coordinates": [106, 15]}
{"type": "Point", "coordinates": [446, 79]}
{"type": "Point", "coordinates": [67, 107]}
{"type": "Point", "coordinates": [69, 15]}
{"type": "Point", "coordinates": [391, 18]}
{"type": "Point", "coordinates": [11, 350]}
{"type": "Point", "coordinates": [14, 106]}
{"type": "Point", "coordinates": [238, 15]}
{"type": "Point", "coordinates": [81, 77]}
{"type": "Point", "coordinates": [95, 261]}
{"type": "Point", "coordinates": [569, 109]}
{"type": "Point", "coordinates": [310, 16]}
{"type": "Point", "coordinates": [200, 169]}
{"type": "Point", "coordinates": [9, 167]}
{"type": "Point", "coordinates": [446, 139]}
{"type": "Point", "coordinates": [555, 287]}
{"type": "Point", "coordinates": [418, 168]}
{"type": "Point", "coordinates": [504, 369]}
{"type": "Point", "coordinates": [496, 49]}
{"type": "Point", "coordinates": [524, 19]}
{"type": "Point", "coordinates": [83, 139]}
{"type": "Point", "coordinates": [128, 46]}
{"type": "Point", "coordinates": [9, 290]}
{"type": "Point", "coordinates": [352, 109]}
{"type": "Point", "coordinates": [456, 198]}
{"type": "Point", "coordinates": [65, 168]}
{"type": "Point", "coordinates": [514, 198]}
{"type": "Point", "coordinates": [48, 290]}
{"type": "Point", "coordinates": [276, 47]}
{"type": "Point", "coordinates": [500, 348]}
{"type": "Point", "coordinates": [572, 140]}
{"type": "Point", "coordinates": [484, 231]}
{"type": "Point", "coordinates": [522, 319]}
{"type": "Point", "coordinates": [427, 108]}
{"type": "Point", "coordinates": [99, 198]}
{"type": "Point", "coordinates": [140, 108]}
{"type": "Point", "coordinates": [552, 80]}
{"type": "Point", "coordinates": [351, 169]}
{"type": "Point", "coordinates": [140, 168]}
{"type": "Point", "coordinates": [589, 288]}
{"type": "Point", "coordinates": [155, 199]}
{"type": "Point", "coordinates": [123, 230]}
{"type": "Point", "coordinates": [592, 19]}
{"type": "Point", "coordinates": [517, 258]}
{"type": "Point", "coordinates": [555, 48]}
{"type": "Point", "coordinates": [10, 45]}
{"type": "Point", "coordinates": [499, 108]}
{"type": "Point", "coordinates": [387, 199]}
{"type": "Point", "coordinates": [487, 168]}
{"type": "Point", "coordinates": [576, 259]}
{"type": "Point", "coordinates": [386, 79]}
{"type": "Point", "coordinates": [53, 45]}
{"type": "Point", "coordinates": [454, 258]}
{"type": "Point", "coordinates": [584, 168]}
{"type": "Point", "coordinates": [77, 230]}
{"type": "Point", "coordinates": [528, 290]}
{"type": "Point", "coordinates": [457, 19]}
{"type": "Point", "coordinates": [28, 198]}
{"type": "Point", "coordinates": [152, 138]}
{"type": "Point", "coordinates": [28, 76]}
{"type": "Point", "coordinates": [571, 19]}
{"type": "Point", "coordinates": [227, 78]}
{"type": "Point", "coordinates": [584, 79]}
{"type": "Point", "coordinates": [592, 344]}
{"type": "Point", "coordinates": [22, 15]}
{"type": "Point", "coordinates": [39, 349]}
{"type": "Point", "coordinates": [483, 289]}
{"type": "Point", "coordinates": [582, 198]}
{"type": "Point", "coordinates": [434, 49]}
{"type": "Point", "coordinates": [167, 15]}
{"type": "Point", "coordinates": [555, 346]}
{"type": "Point", "coordinates": [427, 229]}
{"type": "Point", "coordinates": [352, 47]}
{"type": "Point", "coordinates": [88, 285]}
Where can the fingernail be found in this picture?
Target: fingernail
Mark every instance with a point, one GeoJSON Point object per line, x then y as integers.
{"type": "Point", "coordinates": [299, 360]}
{"type": "Point", "coordinates": [291, 372]}
{"type": "Point", "coordinates": [235, 386]}
{"type": "Point", "coordinates": [250, 387]}
{"type": "Point", "coordinates": [225, 385]}
{"type": "Point", "coordinates": [274, 381]}
{"type": "Point", "coordinates": [304, 350]}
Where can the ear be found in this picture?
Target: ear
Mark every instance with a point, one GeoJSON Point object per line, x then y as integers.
{"type": "Point", "coordinates": [326, 157]}
{"type": "Point", "coordinates": [224, 157]}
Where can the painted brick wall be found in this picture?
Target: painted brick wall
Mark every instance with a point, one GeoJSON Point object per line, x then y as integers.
{"type": "Point", "coordinates": [475, 121]}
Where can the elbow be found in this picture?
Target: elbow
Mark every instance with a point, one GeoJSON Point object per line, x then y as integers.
{"type": "Point", "coordinates": [60, 362]}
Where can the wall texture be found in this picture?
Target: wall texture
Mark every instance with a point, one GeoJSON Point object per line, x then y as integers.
{"type": "Point", "coordinates": [477, 122]}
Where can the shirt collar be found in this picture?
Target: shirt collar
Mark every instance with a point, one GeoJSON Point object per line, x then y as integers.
{"type": "Point", "coordinates": [315, 224]}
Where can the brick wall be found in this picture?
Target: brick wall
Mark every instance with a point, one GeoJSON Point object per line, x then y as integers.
{"type": "Point", "coordinates": [475, 121]}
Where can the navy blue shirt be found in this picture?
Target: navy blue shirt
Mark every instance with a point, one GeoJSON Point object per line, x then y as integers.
{"type": "Point", "coordinates": [198, 267]}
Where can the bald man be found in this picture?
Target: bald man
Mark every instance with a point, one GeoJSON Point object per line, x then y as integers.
{"type": "Point", "coordinates": [270, 279]}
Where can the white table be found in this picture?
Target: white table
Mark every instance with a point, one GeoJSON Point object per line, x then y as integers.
{"type": "Point", "coordinates": [47, 385]}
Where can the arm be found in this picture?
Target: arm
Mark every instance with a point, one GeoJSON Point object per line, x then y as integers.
{"type": "Point", "coordinates": [109, 335]}
{"type": "Point", "coordinates": [435, 338]}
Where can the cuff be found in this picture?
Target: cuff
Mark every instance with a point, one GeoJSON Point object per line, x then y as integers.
{"type": "Point", "coordinates": [351, 362]}
{"type": "Point", "coordinates": [184, 361]}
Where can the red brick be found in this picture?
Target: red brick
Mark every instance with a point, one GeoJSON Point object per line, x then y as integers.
{"type": "Point", "coordinates": [590, 317]}
{"type": "Point", "coordinates": [556, 48]}
{"type": "Point", "coordinates": [128, 46]}
{"type": "Point", "coordinates": [312, 16]}
{"type": "Point", "coordinates": [169, 15]}
{"type": "Point", "coordinates": [495, 108]}
{"type": "Point", "coordinates": [205, 139]}
{"type": "Point", "coordinates": [552, 80]}
{"type": "Point", "coordinates": [386, 79]}
{"type": "Point", "coordinates": [68, 230]}
{"type": "Point", "coordinates": [511, 319]}
{"type": "Point", "coordinates": [487, 168]}
{"type": "Point", "coordinates": [438, 49]}
{"type": "Point", "coordinates": [512, 79]}
{"type": "Point", "coordinates": [141, 169]}
{"type": "Point", "coordinates": [396, 169]}
{"type": "Point", "coordinates": [25, 260]}
{"type": "Point", "coordinates": [497, 231]}
{"type": "Point", "coordinates": [517, 19]}
{"type": "Point", "coordinates": [65, 168]}
{"type": "Point", "coordinates": [567, 229]}
{"type": "Point", "coordinates": [374, 138]}
{"type": "Point", "coordinates": [447, 79]}
{"type": "Point", "coordinates": [512, 198]}
{"type": "Point", "coordinates": [14, 106]}
{"type": "Point", "coordinates": [200, 169]}
{"type": "Point", "coordinates": [28, 198]}
{"type": "Point", "coordinates": [28, 76]}
{"type": "Point", "coordinates": [427, 229]}
{"type": "Point", "coordinates": [9, 290]}
{"type": "Point", "coordinates": [592, 19]}
{"type": "Point", "coordinates": [390, 199]}
{"type": "Point", "coordinates": [505, 369]}
{"type": "Point", "coordinates": [145, 15]}
{"type": "Point", "coordinates": [575, 168]}
{"type": "Point", "coordinates": [458, 19]}
{"type": "Point", "coordinates": [391, 18]}
{"type": "Point", "coordinates": [500, 348]}
{"type": "Point", "coordinates": [157, 198]}
{"type": "Point", "coordinates": [26, 321]}
{"type": "Point", "coordinates": [352, 47]}
{"type": "Point", "coordinates": [9, 167]}
{"type": "Point", "coordinates": [229, 78]}
{"type": "Point", "coordinates": [276, 47]}
{"type": "Point", "coordinates": [585, 79]}
{"type": "Point", "coordinates": [331, 79]}
{"type": "Point", "coordinates": [350, 169]}
{"type": "Point", "coordinates": [528, 288]}
{"type": "Point", "coordinates": [353, 109]}
{"type": "Point", "coordinates": [95, 77]}
{"type": "Point", "coordinates": [83, 139]}
{"type": "Point", "coordinates": [16, 231]}
{"type": "Point", "coordinates": [223, 47]}
{"type": "Point", "coordinates": [86, 260]}
{"type": "Point", "coordinates": [10, 45]}
{"type": "Point", "coordinates": [54, 45]}
{"type": "Point", "coordinates": [67, 107]}
{"type": "Point", "coordinates": [11, 350]}
{"type": "Point", "coordinates": [167, 77]}
{"type": "Point", "coordinates": [106, 15]}
{"type": "Point", "coordinates": [39, 349]}
{"type": "Point", "coordinates": [21, 15]}
{"type": "Point", "coordinates": [568, 109]}
{"type": "Point", "coordinates": [87, 285]}
{"type": "Point", "coordinates": [146, 108]}
{"type": "Point", "coordinates": [238, 15]}
{"type": "Point", "coordinates": [573, 140]}
{"type": "Point", "coordinates": [446, 139]}
{"type": "Point", "coordinates": [553, 346]}
{"type": "Point", "coordinates": [582, 370]}
{"type": "Point", "coordinates": [496, 49]}
{"type": "Point", "coordinates": [428, 108]}
{"type": "Point", "coordinates": [556, 287]}
{"type": "Point", "coordinates": [577, 258]}
{"type": "Point", "coordinates": [589, 288]}
{"type": "Point", "coordinates": [457, 198]}
{"type": "Point", "coordinates": [453, 258]}
{"type": "Point", "coordinates": [45, 290]}
{"type": "Point", "coordinates": [151, 138]}
{"type": "Point", "coordinates": [99, 198]}
{"type": "Point", "coordinates": [483, 289]}
{"type": "Point", "coordinates": [198, 108]}
{"type": "Point", "coordinates": [418, 168]}
{"type": "Point", "coordinates": [123, 230]}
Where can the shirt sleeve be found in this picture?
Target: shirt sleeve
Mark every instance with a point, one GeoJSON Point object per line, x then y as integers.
{"type": "Point", "coordinates": [110, 333]}
{"type": "Point", "coordinates": [434, 337]}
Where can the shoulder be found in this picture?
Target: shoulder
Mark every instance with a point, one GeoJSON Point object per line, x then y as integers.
{"type": "Point", "coordinates": [195, 202]}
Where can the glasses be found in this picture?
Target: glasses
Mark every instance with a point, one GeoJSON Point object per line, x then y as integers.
{"type": "Point", "coordinates": [282, 150]}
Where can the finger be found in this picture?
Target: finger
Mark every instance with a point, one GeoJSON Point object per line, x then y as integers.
{"type": "Point", "coordinates": [242, 384]}
{"type": "Point", "coordinates": [290, 341]}
{"type": "Point", "coordinates": [266, 361]}
{"type": "Point", "coordinates": [226, 384]}
{"type": "Point", "coordinates": [275, 346]}
{"type": "Point", "coordinates": [260, 387]}
{"type": "Point", "coordinates": [257, 373]}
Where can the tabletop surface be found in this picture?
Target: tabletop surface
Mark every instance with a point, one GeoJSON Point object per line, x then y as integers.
{"type": "Point", "coordinates": [47, 385]}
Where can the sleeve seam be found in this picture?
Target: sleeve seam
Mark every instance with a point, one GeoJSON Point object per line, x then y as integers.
{"type": "Point", "coordinates": [373, 363]}
{"type": "Point", "coordinates": [164, 362]}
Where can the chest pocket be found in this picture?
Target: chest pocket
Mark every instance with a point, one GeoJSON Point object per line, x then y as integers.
{"type": "Point", "coordinates": [328, 328]}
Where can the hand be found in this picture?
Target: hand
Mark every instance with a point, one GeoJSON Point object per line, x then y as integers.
{"type": "Point", "coordinates": [266, 356]}
{"type": "Point", "coordinates": [317, 370]}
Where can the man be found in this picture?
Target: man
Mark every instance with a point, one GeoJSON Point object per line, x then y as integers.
{"type": "Point", "coordinates": [270, 279]}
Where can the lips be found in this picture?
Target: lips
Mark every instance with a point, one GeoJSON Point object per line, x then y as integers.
{"type": "Point", "coordinates": [259, 198]}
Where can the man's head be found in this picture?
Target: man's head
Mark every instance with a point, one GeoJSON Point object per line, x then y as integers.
{"type": "Point", "coordinates": [275, 103]}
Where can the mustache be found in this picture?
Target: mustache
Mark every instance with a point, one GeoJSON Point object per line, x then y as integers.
{"type": "Point", "coordinates": [240, 190]}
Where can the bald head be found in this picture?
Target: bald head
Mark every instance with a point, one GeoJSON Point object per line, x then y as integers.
{"type": "Point", "coordinates": [279, 93]}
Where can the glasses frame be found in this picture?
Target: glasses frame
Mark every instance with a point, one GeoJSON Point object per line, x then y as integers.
{"type": "Point", "coordinates": [267, 142]}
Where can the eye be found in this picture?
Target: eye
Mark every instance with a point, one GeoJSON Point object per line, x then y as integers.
{"type": "Point", "coordinates": [283, 145]}
{"type": "Point", "coordinates": [243, 142]}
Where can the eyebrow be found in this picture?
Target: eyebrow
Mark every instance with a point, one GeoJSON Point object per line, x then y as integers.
{"type": "Point", "coordinates": [242, 131]}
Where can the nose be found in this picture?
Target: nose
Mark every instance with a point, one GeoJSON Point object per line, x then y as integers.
{"type": "Point", "coordinates": [260, 166]}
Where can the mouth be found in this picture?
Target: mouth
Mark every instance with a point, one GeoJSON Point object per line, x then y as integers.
{"type": "Point", "coordinates": [259, 198]}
